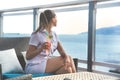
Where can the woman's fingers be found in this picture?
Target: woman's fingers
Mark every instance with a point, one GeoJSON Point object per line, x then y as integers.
{"type": "Point", "coordinates": [47, 45]}
{"type": "Point", "coordinates": [67, 65]}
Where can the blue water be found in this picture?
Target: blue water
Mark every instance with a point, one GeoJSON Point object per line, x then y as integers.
{"type": "Point", "coordinates": [107, 47]}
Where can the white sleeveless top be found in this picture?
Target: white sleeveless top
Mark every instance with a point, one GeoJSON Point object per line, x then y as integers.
{"type": "Point", "coordinates": [39, 38]}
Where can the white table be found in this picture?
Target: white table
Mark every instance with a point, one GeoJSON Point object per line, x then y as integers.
{"type": "Point", "coordinates": [79, 76]}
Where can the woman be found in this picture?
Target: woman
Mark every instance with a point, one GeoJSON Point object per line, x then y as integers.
{"type": "Point", "coordinates": [42, 44]}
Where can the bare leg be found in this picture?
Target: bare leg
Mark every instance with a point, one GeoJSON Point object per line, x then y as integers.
{"type": "Point", "coordinates": [56, 65]}
{"type": "Point", "coordinates": [72, 64]}
{"type": "Point", "coordinates": [62, 70]}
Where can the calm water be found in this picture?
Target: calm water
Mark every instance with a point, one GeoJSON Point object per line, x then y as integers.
{"type": "Point", "coordinates": [107, 47]}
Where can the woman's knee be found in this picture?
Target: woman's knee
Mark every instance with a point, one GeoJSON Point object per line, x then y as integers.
{"type": "Point", "coordinates": [69, 70]}
{"type": "Point", "coordinates": [69, 56]}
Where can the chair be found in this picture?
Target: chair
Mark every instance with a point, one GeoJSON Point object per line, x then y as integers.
{"type": "Point", "coordinates": [20, 44]}
{"type": "Point", "coordinates": [24, 77]}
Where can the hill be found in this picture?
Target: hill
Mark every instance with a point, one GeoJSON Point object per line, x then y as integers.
{"type": "Point", "coordinates": [114, 30]}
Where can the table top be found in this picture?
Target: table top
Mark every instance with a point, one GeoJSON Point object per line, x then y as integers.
{"type": "Point", "coordinates": [78, 76]}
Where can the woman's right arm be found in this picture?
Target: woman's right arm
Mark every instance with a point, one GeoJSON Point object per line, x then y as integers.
{"type": "Point", "coordinates": [32, 52]}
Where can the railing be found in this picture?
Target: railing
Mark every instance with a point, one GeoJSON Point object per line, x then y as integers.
{"type": "Point", "coordinates": [108, 65]}
{"type": "Point", "coordinates": [0, 72]}
{"type": "Point", "coordinates": [103, 64]}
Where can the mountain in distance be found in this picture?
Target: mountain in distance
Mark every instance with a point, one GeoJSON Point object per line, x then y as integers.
{"type": "Point", "coordinates": [114, 30]}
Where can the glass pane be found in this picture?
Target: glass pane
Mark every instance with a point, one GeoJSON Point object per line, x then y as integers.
{"type": "Point", "coordinates": [17, 25]}
{"type": "Point", "coordinates": [108, 35]}
{"type": "Point", "coordinates": [71, 29]}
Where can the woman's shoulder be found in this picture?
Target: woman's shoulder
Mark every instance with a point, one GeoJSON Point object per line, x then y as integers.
{"type": "Point", "coordinates": [36, 33]}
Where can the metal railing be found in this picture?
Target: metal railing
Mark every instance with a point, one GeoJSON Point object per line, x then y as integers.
{"type": "Point", "coordinates": [65, 4]}
{"type": "Point", "coordinates": [102, 64]}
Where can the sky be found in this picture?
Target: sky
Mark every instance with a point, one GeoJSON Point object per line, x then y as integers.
{"type": "Point", "coordinates": [68, 22]}
{"type": "Point", "coordinates": [77, 22]}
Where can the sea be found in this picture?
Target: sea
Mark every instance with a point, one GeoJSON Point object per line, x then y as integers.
{"type": "Point", "coordinates": [107, 47]}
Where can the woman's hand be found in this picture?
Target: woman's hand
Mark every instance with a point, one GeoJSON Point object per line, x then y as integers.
{"type": "Point", "coordinates": [67, 63]}
{"type": "Point", "coordinates": [46, 45]}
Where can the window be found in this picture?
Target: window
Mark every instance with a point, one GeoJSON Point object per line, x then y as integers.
{"type": "Point", "coordinates": [72, 28]}
{"type": "Point", "coordinates": [18, 24]}
{"type": "Point", "coordinates": [108, 35]}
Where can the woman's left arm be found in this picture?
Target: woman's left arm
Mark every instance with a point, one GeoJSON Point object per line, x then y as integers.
{"type": "Point", "coordinates": [63, 54]}
{"type": "Point", "coordinates": [61, 50]}
{"type": "Point", "coordinates": [68, 62]}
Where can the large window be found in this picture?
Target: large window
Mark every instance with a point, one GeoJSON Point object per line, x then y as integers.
{"type": "Point", "coordinates": [108, 35]}
{"type": "Point", "coordinates": [17, 24]}
{"type": "Point", "coordinates": [72, 30]}
{"type": "Point", "coordinates": [72, 27]}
